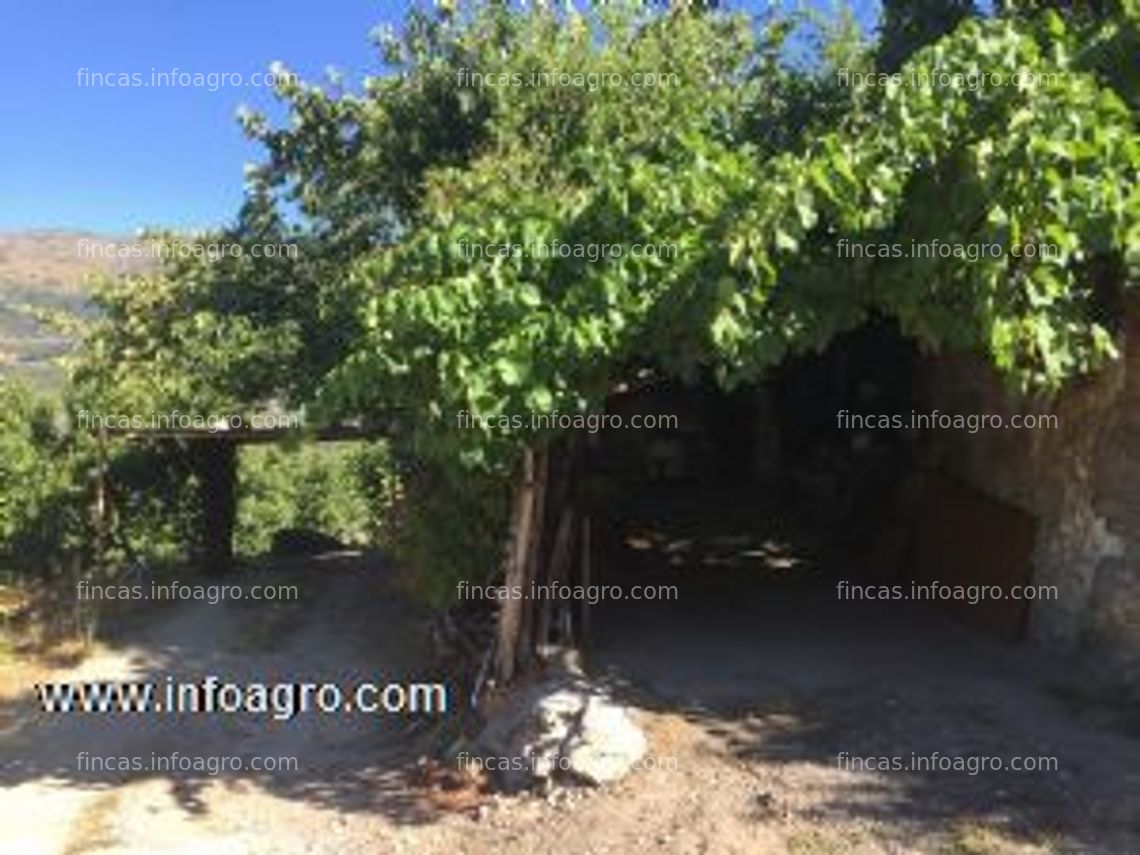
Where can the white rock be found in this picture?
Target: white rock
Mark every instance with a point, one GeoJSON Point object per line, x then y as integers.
{"type": "Point", "coordinates": [559, 729]}
{"type": "Point", "coordinates": [606, 744]}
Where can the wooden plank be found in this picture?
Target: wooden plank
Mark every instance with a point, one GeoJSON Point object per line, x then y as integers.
{"type": "Point", "coordinates": [510, 614]}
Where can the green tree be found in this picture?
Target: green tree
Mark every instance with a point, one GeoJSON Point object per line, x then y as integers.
{"type": "Point", "coordinates": [724, 162]}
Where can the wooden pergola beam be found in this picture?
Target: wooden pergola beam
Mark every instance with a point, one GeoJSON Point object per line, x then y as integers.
{"type": "Point", "coordinates": [241, 436]}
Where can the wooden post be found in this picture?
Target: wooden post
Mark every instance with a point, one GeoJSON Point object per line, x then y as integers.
{"type": "Point", "coordinates": [559, 560]}
{"type": "Point", "coordinates": [510, 616]}
{"type": "Point", "coordinates": [534, 566]}
{"type": "Point", "coordinates": [584, 629]}
{"type": "Point", "coordinates": [217, 473]}
{"type": "Point", "coordinates": [547, 493]}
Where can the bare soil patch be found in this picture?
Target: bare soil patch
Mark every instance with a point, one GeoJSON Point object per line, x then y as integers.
{"type": "Point", "coordinates": [745, 709]}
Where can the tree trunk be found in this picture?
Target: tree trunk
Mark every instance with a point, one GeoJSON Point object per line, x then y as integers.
{"type": "Point", "coordinates": [546, 503]}
{"type": "Point", "coordinates": [584, 622]}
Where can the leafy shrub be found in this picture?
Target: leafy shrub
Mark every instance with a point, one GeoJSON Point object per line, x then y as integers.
{"type": "Point", "coordinates": [43, 500]}
{"type": "Point", "coordinates": [448, 525]}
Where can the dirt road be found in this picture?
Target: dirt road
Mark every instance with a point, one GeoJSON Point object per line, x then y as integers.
{"type": "Point", "coordinates": [747, 711]}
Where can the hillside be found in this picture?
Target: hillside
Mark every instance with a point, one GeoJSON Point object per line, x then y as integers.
{"type": "Point", "coordinates": [48, 269]}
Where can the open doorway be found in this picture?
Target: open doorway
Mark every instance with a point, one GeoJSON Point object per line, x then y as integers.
{"type": "Point", "coordinates": [801, 513]}
{"type": "Point", "coordinates": [777, 466]}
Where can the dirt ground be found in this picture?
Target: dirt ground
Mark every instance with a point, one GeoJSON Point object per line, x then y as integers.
{"type": "Point", "coordinates": [747, 702]}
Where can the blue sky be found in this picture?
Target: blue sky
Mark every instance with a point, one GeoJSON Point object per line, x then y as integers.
{"type": "Point", "coordinates": [115, 159]}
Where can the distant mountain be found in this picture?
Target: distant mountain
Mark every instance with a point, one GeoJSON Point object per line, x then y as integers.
{"type": "Point", "coordinates": [61, 261]}
{"type": "Point", "coordinates": [51, 269]}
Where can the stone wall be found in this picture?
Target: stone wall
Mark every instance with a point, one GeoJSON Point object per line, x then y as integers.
{"type": "Point", "coordinates": [1114, 601]}
{"type": "Point", "coordinates": [1080, 481]}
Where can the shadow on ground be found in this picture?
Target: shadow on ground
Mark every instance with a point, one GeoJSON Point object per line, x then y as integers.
{"type": "Point", "coordinates": [791, 689]}
{"type": "Point", "coordinates": [348, 625]}
{"type": "Point", "coordinates": [815, 695]}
